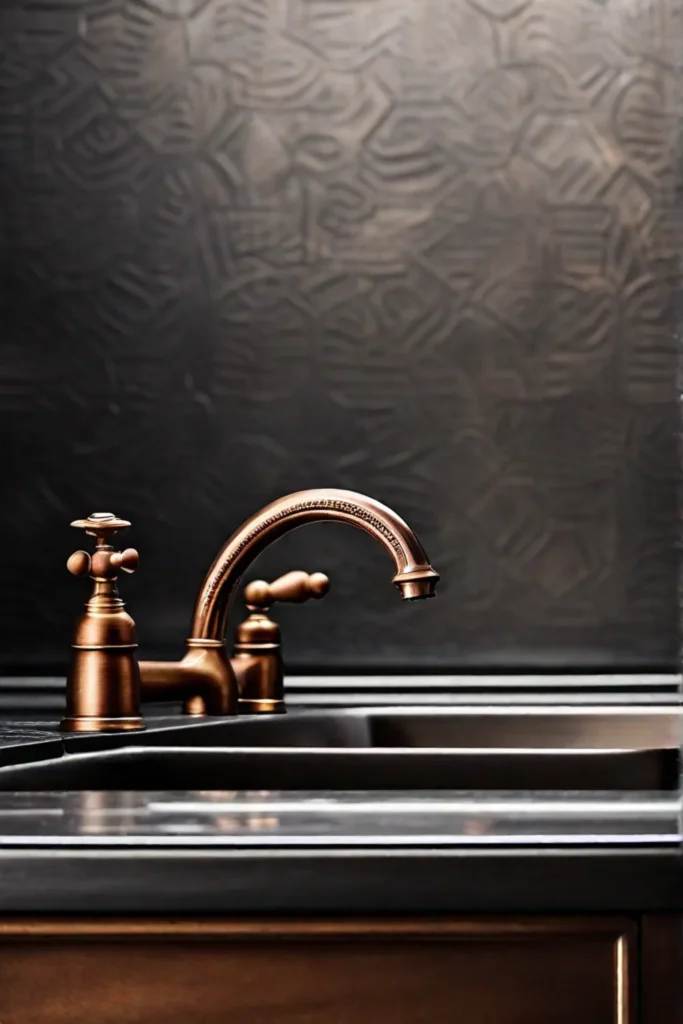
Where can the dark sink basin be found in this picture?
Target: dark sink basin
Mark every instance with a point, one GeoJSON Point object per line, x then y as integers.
{"type": "Point", "coordinates": [596, 749]}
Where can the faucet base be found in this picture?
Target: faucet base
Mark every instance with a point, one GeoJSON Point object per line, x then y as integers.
{"type": "Point", "coordinates": [203, 680]}
{"type": "Point", "coordinates": [96, 723]}
{"type": "Point", "coordinates": [263, 706]}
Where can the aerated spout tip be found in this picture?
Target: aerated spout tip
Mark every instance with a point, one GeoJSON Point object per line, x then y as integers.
{"type": "Point", "coordinates": [418, 584]}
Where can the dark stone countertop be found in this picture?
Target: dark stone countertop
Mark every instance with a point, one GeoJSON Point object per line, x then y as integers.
{"type": "Point", "coordinates": [328, 852]}
{"type": "Point", "coordinates": [337, 852]}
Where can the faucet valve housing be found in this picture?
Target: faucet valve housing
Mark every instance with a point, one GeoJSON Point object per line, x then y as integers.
{"type": "Point", "coordinates": [256, 655]}
{"type": "Point", "coordinates": [103, 685]}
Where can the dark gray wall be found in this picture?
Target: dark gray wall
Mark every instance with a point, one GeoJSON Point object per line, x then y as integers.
{"type": "Point", "coordinates": [420, 248]}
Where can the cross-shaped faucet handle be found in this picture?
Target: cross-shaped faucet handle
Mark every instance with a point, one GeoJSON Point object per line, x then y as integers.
{"type": "Point", "coordinates": [104, 563]}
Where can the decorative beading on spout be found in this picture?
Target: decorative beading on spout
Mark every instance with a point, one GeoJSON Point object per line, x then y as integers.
{"type": "Point", "coordinates": [414, 575]}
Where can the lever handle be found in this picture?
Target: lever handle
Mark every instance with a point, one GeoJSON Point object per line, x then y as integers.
{"type": "Point", "coordinates": [104, 563]}
{"type": "Point", "coordinates": [294, 587]}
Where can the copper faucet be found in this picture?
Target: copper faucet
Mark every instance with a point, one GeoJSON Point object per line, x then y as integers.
{"type": "Point", "coordinates": [104, 683]}
{"type": "Point", "coordinates": [257, 651]}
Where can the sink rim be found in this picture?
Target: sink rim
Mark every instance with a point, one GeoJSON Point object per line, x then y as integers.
{"type": "Point", "coordinates": [289, 768]}
{"type": "Point", "coordinates": [669, 717]}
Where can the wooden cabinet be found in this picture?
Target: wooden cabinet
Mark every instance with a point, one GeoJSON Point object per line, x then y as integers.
{"type": "Point", "coordinates": [482, 970]}
{"type": "Point", "coordinates": [661, 969]}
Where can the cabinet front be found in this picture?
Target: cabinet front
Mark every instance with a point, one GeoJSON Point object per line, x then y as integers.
{"type": "Point", "coordinates": [484, 971]}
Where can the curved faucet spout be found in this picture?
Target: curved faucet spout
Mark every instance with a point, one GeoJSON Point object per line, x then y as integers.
{"type": "Point", "coordinates": [414, 577]}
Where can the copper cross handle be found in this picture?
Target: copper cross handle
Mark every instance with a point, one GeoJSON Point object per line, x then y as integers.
{"type": "Point", "coordinates": [104, 563]}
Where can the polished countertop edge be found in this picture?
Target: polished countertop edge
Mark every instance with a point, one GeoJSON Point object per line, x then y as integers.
{"type": "Point", "coordinates": [315, 820]}
{"type": "Point", "coordinates": [504, 685]}
{"type": "Point", "coordinates": [364, 679]}
{"type": "Point", "coordinates": [671, 840]}
{"type": "Point", "coordinates": [45, 693]}
{"type": "Point", "coordinates": [340, 881]}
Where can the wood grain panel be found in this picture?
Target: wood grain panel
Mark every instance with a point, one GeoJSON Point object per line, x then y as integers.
{"type": "Point", "coordinates": [662, 969]}
{"type": "Point", "coordinates": [483, 971]}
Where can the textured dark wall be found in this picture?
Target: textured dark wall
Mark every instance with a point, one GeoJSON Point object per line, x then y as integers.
{"type": "Point", "coordinates": [420, 248]}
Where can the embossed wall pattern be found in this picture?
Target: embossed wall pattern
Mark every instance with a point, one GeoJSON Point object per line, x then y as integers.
{"type": "Point", "coordinates": [420, 248]}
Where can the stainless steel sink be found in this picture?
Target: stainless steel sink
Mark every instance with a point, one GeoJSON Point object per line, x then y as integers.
{"type": "Point", "coordinates": [528, 727]}
{"type": "Point", "coordinates": [492, 748]}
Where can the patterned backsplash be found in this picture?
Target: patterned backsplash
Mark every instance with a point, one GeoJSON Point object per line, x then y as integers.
{"type": "Point", "coordinates": [424, 249]}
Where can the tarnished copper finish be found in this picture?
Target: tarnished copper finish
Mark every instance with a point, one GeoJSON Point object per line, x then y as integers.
{"type": "Point", "coordinates": [103, 686]}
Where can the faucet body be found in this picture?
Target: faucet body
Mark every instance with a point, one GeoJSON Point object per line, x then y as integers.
{"type": "Point", "coordinates": [414, 575]}
{"type": "Point", "coordinates": [103, 685]}
{"type": "Point", "coordinates": [257, 651]}
{"type": "Point", "coordinates": [256, 656]}
{"type": "Point", "coordinates": [205, 677]}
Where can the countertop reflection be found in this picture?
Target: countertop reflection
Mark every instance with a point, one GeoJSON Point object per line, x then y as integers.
{"type": "Point", "coordinates": [338, 819]}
